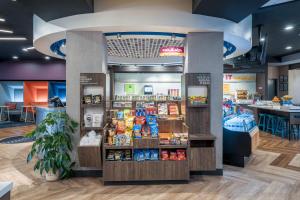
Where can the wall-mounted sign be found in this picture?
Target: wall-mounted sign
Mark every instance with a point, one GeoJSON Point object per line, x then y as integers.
{"type": "Point", "coordinates": [130, 88]}
{"type": "Point", "coordinates": [239, 77]}
{"type": "Point", "coordinates": [171, 51]}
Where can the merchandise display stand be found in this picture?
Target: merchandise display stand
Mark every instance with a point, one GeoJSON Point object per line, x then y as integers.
{"type": "Point", "coordinates": [148, 170]}
{"type": "Point", "coordinates": [92, 107]}
{"type": "Point", "coordinates": [148, 138]}
{"type": "Point", "coordinates": [196, 96]}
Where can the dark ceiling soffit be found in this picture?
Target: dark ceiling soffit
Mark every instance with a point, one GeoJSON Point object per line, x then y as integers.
{"type": "Point", "coordinates": [263, 9]}
{"type": "Point", "coordinates": [145, 69]}
{"type": "Point", "coordinates": [234, 10]}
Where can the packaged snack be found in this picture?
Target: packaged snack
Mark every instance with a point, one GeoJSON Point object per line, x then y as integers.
{"type": "Point", "coordinates": [154, 130]}
{"type": "Point", "coordinates": [181, 154]}
{"type": "Point", "coordinates": [120, 115]}
{"type": "Point", "coordinates": [147, 154]}
{"type": "Point", "coordinates": [126, 113]}
{"type": "Point", "coordinates": [153, 154]}
{"type": "Point", "coordinates": [114, 121]}
{"type": "Point", "coordinates": [127, 155]}
{"type": "Point", "coordinates": [137, 131]}
{"type": "Point", "coordinates": [151, 119]}
{"type": "Point", "coordinates": [164, 155]}
{"type": "Point", "coordinates": [163, 109]}
{"type": "Point", "coordinates": [111, 134]}
{"type": "Point", "coordinates": [145, 131]}
{"type": "Point", "coordinates": [110, 155]}
{"type": "Point", "coordinates": [173, 109]}
{"type": "Point", "coordinates": [173, 155]}
{"type": "Point", "coordinates": [120, 127]}
{"type": "Point", "coordinates": [118, 155]}
{"type": "Point", "coordinates": [140, 120]}
{"type": "Point", "coordinates": [129, 122]}
{"type": "Point", "coordinates": [139, 155]}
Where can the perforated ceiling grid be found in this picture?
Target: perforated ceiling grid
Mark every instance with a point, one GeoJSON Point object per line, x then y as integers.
{"type": "Point", "coordinates": [139, 47]}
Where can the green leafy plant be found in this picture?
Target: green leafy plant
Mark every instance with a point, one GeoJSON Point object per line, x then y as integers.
{"type": "Point", "coordinates": [53, 144]}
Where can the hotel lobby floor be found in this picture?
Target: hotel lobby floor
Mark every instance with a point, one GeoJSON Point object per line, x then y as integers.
{"type": "Point", "coordinates": [261, 179]}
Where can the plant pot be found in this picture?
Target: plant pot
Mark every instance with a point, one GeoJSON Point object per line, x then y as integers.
{"type": "Point", "coordinates": [50, 176]}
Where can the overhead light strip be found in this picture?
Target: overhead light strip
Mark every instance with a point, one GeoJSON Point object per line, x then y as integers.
{"type": "Point", "coordinates": [12, 38]}
{"type": "Point", "coordinates": [5, 31]}
{"type": "Point", "coordinates": [2, 20]}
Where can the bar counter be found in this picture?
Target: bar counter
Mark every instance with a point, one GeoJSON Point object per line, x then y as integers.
{"type": "Point", "coordinates": [291, 113]}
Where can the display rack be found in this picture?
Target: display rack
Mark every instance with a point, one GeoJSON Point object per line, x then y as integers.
{"type": "Point", "coordinates": [196, 105]}
{"type": "Point", "coordinates": [92, 84]}
{"type": "Point", "coordinates": [148, 170]}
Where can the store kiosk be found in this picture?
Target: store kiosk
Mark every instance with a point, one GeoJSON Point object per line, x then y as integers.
{"type": "Point", "coordinates": [119, 161]}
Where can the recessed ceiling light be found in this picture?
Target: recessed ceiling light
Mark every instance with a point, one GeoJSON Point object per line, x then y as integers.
{"type": "Point", "coordinates": [289, 27]}
{"type": "Point", "coordinates": [262, 39]}
{"type": "Point", "coordinates": [47, 57]}
{"type": "Point", "coordinates": [15, 57]}
{"type": "Point", "coordinates": [13, 38]}
{"type": "Point", "coordinates": [288, 47]}
{"type": "Point", "coordinates": [5, 31]}
{"type": "Point", "coordinates": [2, 20]}
{"type": "Point", "coordinates": [27, 49]}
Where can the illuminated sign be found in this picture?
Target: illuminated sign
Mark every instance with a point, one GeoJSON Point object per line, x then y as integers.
{"type": "Point", "coordinates": [171, 51]}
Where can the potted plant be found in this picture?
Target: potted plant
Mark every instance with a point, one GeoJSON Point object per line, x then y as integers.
{"type": "Point", "coordinates": [53, 146]}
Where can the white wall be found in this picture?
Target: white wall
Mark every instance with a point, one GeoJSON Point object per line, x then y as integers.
{"type": "Point", "coordinates": [161, 82]}
{"type": "Point", "coordinates": [294, 84]}
{"type": "Point", "coordinates": [105, 5]}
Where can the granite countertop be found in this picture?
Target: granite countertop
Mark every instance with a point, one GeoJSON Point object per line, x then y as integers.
{"type": "Point", "coordinates": [295, 109]}
{"type": "Point", "coordinates": [5, 187]}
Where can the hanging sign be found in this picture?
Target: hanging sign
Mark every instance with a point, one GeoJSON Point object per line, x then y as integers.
{"type": "Point", "coordinates": [171, 51]}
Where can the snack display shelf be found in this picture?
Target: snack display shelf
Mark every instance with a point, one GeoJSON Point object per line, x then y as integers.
{"type": "Point", "coordinates": [107, 146]}
{"type": "Point", "coordinates": [198, 105]}
{"type": "Point", "coordinates": [201, 137]}
{"type": "Point", "coordinates": [170, 146]}
{"type": "Point", "coordinates": [146, 101]}
{"type": "Point", "coordinates": [92, 128]}
{"type": "Point", "coordinates": [92, 105]}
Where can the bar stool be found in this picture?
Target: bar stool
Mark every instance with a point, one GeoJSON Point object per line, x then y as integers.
{"type": "Point", "coordinates": [262, 121]}
{"type": "Point", "coordinates": [282, 126]}
{"type": "Point", "coordinates": [271, 124]}
{"type": "Point", "coordinates": [294, 133]}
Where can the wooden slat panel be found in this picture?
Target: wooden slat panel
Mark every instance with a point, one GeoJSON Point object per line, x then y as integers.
{"type": "Point", "coordinates": [90, 156]}
{"type": "Point", "coordinates": [202, 159]}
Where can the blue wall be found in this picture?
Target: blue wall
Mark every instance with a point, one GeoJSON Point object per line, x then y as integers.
{"type": "Point", "coordinates": [57, 89]}
{"type": "Point", "coordinates": [11, 91]}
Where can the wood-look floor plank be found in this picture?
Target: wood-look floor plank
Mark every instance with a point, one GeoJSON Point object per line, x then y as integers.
{"type": "Point", "coordinates": [260, 179]}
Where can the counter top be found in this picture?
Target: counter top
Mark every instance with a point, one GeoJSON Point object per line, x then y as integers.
{"type": "Point", "coordinates": [50, 108]}
{"type": "Point", "coordinates": [282, 108]}
{"type": "Point", "coordinates": [5, 187]}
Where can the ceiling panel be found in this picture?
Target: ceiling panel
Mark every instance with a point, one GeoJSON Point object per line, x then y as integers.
{"type": "Point", "coordinates": [234, 10]}
{"type": "Point", "coordinates": [273, 20]}
{"type": "Point", "coordinates": [19, 14]}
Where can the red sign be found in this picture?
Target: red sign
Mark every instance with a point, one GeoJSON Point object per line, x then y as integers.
{"type": "Point", "coordinates": [171, 51]}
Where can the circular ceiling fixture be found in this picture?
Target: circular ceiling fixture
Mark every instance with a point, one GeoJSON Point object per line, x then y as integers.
{"type": "Point", "coordinates": [139, 44]}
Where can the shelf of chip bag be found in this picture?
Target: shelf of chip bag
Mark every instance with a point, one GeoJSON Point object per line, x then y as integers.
{"type": "Point", "coordinates": [107, 146]}
{"type": "Point", "coordinates": [169, 146]}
